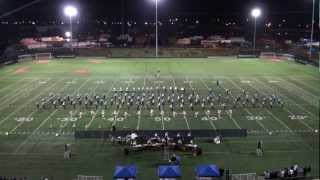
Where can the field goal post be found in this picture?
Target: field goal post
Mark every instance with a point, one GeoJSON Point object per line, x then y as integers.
{"type": "Point", "coordinates": [268, 55]}
{"type": "Point", "coordinates": [83, 177]}
{"type": "Point", "coordinates": [42, 56]}
{"type": "Point", "coordinates": [246, 176]}
{"type": "Point", "coordinates": [25, 57]}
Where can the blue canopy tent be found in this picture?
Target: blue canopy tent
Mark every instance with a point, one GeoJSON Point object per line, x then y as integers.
{"type": "Point", "coordinates": [208, 170]}
{"type": "Point", "coordinates": [170, 171]}
{"type": "Point", "coordinates": [125, 172]}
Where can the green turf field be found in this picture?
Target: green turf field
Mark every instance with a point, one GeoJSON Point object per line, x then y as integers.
{"type": "Point", "coordinates": [29, 145]}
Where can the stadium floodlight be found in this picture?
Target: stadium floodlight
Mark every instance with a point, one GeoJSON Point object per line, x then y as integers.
{"type": "Point", "coordinates": [67, 34]}
{"type": "Point", "coordinates": [255, 13]}
{"type": "Point", "coordinates": [70, 11]}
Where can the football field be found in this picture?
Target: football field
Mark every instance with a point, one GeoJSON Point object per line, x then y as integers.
{"type": "Point", "coordinates": [33, 132]}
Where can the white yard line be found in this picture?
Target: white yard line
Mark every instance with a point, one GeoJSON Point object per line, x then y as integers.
{"type": "Point", "coordinates": [279, 120]}
{"type": "Point", "coordinates": [305, 84]}
{"type": "Point", "coordinates": [84, 83]}
{"type": "Point", "coordinates": [204, 83]}
{"type": "Point", "coordinates": [292, 87]}
{"type": "Point", "coordinates": [139, 117]}
{"type": "Point", "coordinates": [113, 83]}
{"type": "Point", "coordinates": [298, 105]}
{"type": "Point", "coordinates": [173, 80]}
{"type": "Point", "coordinates": [138, 124]}
{"type": "Point", "coordinates": [287, 127]}
{"type": "Point", "coordinates": [234, 121]}
{"type": "Point", "coordinates": [94, 116]}
{"type": "Point", "coordinates": [64, 87]}
{"type": "Point", "coordinates": [8, 87]}
{"type": "Point", "coordinates": [74, 93]}
{"type": "Point", "coordinates": [301, 89]}
{"type": "Point", "coordinates": [162, 121]}
{"type": "Point", "coordinates": [268, 151]}
{"type": "Point", "coordinates": [13, 95]}
{"type": "Point", "coordinates": [90, 122]}
{"type": "Point", "coordinates": [44, 121]}
{"type": "Point", "coordinates": [34, 132]}
{"type": "Point", "coordinates": [304, 123]}
{"type": "Point", "coordinates": [186, 120]}
{"type": "Point", "coordinates": [28, 102]}
{"type": "Point", "coordinates": [272, 115]}
{"type": "Point", "coordinates": [309, 77]}
{"type": "Point", "coordinates": [22, 122]}
{"type": "Point", "coordinates": [258, 122]}
{"type": "Point", "coordinates": [184, 117]}
{"type": "Point", "coordinates": [112, 154]}
{"type": "Point", "coordinates": [210, 121]}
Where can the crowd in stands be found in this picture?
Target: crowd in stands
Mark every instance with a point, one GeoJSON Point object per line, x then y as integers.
{"type": "Point", "coordinates": [294, 171]}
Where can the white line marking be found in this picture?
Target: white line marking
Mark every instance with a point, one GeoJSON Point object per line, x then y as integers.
{"type": "Point", "coordinates": [301, 107]}
{"type": "Point", "coordinates": [303, 82]}
{"type": "Point", "coordinates": [8, 87]}
{"type": "Point", "coordinates": [77, 90]}
{"type": "Point", "coordinates": [34, 132]}
{"type": "Point", "coordinates": [94, 116]}
{"type": "Point", "coordinates": [89, 124]}
{"type": "Point", "coordinates": [287, 127]}
{"type": "Point", "coordinates": [205, 84]}
{"type": "Point", "coordinates": [258, 122]}
{"type": "Point", "coordinates": [138, 124]}
{"type": "Point", "coordinates": [186, 120]}
{"type": "Point", "coordinates": [13, 95]}
{"type": "Point", "coordinates": [19, 124]}
{"type": "Point", "coordinates": [173, 80]}
{"type": "Point", "coordinates": [288, 109]}
{"type": "Point", "coordinates": [297, 87]}
{"type": "Point", "coordinates": [48, 118]}
{"type": "Point", "coordinates": [237, 86]}
{"type": "Point", "coordinates": [210, 121]}
{"type": "Point", "coordinates": [236, 123]}
{"type": "Point", "coordinates": [162, 121]}
{"type": "Point", "coordinates": [28, 102]}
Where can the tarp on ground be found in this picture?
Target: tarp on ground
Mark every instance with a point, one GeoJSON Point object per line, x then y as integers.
{"type": "Point", "coordinates": [169, 171]}
{"type": "Point", "coordinates": [128, 171]}
{"type": "Point", "coordinates": [207, 170]}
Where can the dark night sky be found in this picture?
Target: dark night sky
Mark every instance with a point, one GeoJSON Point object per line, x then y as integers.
{"type": "Point", "coordinates": [91, 9]}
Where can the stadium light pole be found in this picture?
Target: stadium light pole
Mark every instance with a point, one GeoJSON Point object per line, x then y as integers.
{"type": "Point", "coordinates": [255, 13]}
{"type": "Point", "coordinates": [68, 35]}
{"type": "Point", "coordinates": [157, 28]}
{"type": "Point", "coordinates": [312, 27]}
{"type": "Point", "coordinates": [156, 19]}
{"type": "Point", "coordinates": [70, 11]}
